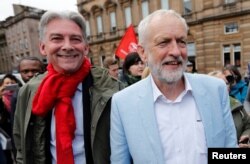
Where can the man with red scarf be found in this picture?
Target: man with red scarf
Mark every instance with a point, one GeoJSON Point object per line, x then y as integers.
{"type": "Point", "coordinates": [63, 115]}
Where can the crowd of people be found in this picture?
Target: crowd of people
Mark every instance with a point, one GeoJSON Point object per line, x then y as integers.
{"type": "Point", "coordinates": [154, 109]}
{"type": "Point", "coordinates": [9, 87]}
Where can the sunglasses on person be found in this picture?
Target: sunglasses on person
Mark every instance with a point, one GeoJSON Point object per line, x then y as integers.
{"type": "Point", "coordinates": [230, 79]}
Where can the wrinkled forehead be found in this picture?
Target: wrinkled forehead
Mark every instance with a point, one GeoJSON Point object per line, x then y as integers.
{"type": "Point", "coordinates": [166, 20]}
{"type": "Point", "coordinates": [166, 28]}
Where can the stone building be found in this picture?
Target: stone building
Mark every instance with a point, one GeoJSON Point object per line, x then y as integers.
{"type": "Point", "coordinates": [19, 37]}
{"type": "Point", "coordinates": [219, 32]}
{"type": "Point", "coordinates": [3, 51]}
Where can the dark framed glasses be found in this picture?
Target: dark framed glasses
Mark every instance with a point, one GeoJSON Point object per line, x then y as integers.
{"type": "Point", "coordinates": [230, 79]}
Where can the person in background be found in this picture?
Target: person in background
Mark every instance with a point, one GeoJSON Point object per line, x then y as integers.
{"type": "Point", "coordinates": [132, 69]}
{"type": "Point", "coordinates": [247, 74]}
{"type": "Point", "coordinates": [189, 67]}
{"type": "Point", "coordinates": [247, 100]}
{"type": "Point", "coordinates": [63, 115]}
{"type": "Point", "coordinates": [173, 116]}
{"type": "Point", "coordinates": [6, 92]}
{"type": "Point", "coordinates": [240, 116]}
{"type": "Point", "coordinates": [112, 65]}
{"type": "Point", "coordinates": [238, 87]}
{"type": "Point", "coordinates": [29, 66]}
{"type": "Point", "coordinates": [2, 154]}
{"type": "Point", "coordinates": [9, 84]}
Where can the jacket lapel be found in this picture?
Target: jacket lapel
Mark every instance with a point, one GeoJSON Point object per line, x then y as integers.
{"type": "Point", "coordinates": [86, 84]}
{"type": "Point", "coordinates": [200, 96]}
{"type": "Point", "coordinates": [147, 116]}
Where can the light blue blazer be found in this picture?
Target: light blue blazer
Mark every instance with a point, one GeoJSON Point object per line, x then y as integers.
{"type": "Point", "coordinates": [134, 131]}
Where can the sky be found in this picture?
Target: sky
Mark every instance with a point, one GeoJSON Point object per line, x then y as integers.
{"type": "Point", "coordinates": [6, 8]}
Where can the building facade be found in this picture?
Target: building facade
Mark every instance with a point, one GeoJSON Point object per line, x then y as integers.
{"type": "Point", "coordinates": [218, 29]}
{"type": "Point", "coordinates": [3, 51]}
{"type": "Point", "coordinates": [219, 32]}
{"type": "Point", "coordinates": [19, 37]}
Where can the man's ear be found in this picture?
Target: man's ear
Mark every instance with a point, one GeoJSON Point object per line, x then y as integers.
{"type": "Point", "coordinates": [141, 52]}
{"type": "Point", "coordinates": [42, 49]}
{"type": "Point", "coordinates": [86, 50]}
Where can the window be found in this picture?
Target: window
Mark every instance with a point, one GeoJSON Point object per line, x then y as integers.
{"type": "Point", "coordinates": [187, 6]}
{"type": "Point", "coordinates": [12, 59]}
{"type": "Point", "coordinates": [87, 28]}
{"type": "Point", "coordinates": [21, 44]}
{"type": "Point", "coordinates": [112, 21]}
{"type": "Point", "coordinates": [164, 4]}
{"type": "Point", "coordinates": [231, 28]}
{"type": "Point", "coordinates": [232, 54]}
{"type": "Point", "coordinates": [226, 54]}
{"type": "Point", "coordinates": [24, 27]}
{"type": "Point", "coordinates": [144, 7]}
{"type": "Point", "coordinates": [128, 16]}
{"type": "Point", "coordinates": [229, 1]}
{"type": "Point", "coordinates": [99, 24]}
{"type": "Point", "coordinates": [11, 48]}
{"type": "Point", "coordinates": [237, 54]}
{"type": "Point", "coordinates": [191, 49]}
{"type": "Point", "coordinates": [26, 43]}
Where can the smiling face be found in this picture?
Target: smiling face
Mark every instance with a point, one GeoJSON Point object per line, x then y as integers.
{"type": "Point", "coordinates": [165, 49]}
{"type": "Point", "coordinates": [64, 45]}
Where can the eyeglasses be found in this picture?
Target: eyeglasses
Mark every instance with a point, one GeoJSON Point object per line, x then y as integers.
{"type": "Point", "coordinates": [230, 79]}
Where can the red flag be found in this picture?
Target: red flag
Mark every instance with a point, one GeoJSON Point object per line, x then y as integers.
{"type": "Point", "coordinates": [127, 44]}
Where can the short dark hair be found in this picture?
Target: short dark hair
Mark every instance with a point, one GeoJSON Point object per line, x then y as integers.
{"type": "Point", "coordinates": [33, 58]}
{"type": "Point", "coordinates": [12, 77]}
{"type": "Point", "coordinates": [131, 59]}
{"type": "Point", "coordinates": [234, 71]}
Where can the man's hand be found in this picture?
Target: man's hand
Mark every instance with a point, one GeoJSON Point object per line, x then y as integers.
{"type": "Point", "coordinates": [244, 141]}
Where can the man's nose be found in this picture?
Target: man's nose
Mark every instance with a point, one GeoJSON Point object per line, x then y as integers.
{"type": "Point", "coordinates": [67, 45]}
{"type": "Point", "coordinates": [174, 48]}
{"type": "Point", "coordinates": [30, 74]}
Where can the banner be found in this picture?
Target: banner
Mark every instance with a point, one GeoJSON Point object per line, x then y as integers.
{"type": "Point", "coordinates": [127, 44]}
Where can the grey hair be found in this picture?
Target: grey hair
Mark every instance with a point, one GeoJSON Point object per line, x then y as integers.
{"type": "Point", "coordinates": [143, 25]}
{"type": "Point", "coordinates": [70, 15]}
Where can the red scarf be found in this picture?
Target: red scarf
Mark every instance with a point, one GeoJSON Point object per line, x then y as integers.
{"type": "Point", "coordinates": [7, 95]}
{"type": "Point", "coordinates": [57, 90]}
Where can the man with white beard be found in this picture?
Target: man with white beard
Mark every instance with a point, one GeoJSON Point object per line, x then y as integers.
{"type": "Point", "coordinates": [170, 117]}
